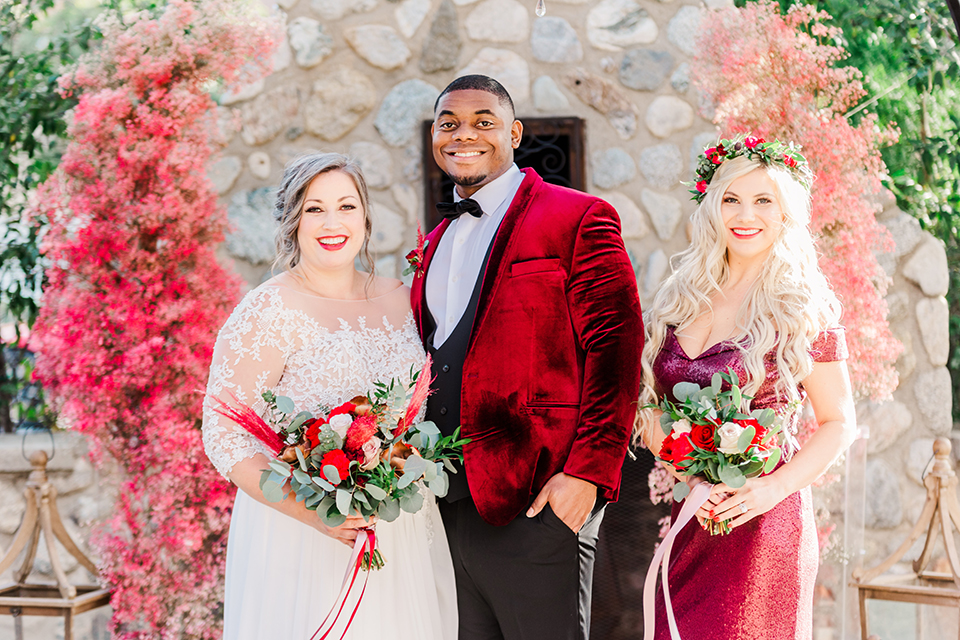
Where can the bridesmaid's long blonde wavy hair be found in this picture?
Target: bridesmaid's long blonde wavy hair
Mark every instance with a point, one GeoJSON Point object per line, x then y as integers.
{"type": "Point", "coordinates": [784, 311]}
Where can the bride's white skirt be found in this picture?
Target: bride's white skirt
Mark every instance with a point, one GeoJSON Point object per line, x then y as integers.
{"type": "Point", "coordinates": [283, 577]}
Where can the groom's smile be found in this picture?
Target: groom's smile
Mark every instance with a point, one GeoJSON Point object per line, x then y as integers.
{"type": "Point", "coordinates": [474, 136]}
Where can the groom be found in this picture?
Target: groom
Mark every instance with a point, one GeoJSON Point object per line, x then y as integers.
{"type": "Point", "coordinates": [529, 307]}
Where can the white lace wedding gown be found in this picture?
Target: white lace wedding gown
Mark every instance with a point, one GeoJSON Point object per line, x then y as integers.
{"type": "Point", "coordinates": [282, 577]}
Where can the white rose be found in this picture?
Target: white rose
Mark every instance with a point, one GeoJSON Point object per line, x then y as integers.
{"type": "Point", "coordinates": [371, 453]}
{"type": "Point", "coordinates": [729, 434]}
{"type": "Point", "coordinates": [340, 424]}
{"type": "Point", "coordinates": [682, 426]}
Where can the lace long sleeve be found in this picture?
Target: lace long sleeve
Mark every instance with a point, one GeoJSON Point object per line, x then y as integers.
{"type": "Point", "coordinates": [249, 357]}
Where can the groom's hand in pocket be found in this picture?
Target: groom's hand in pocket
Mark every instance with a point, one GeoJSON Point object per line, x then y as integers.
{"type": "Point", "coordinates": [572, 499]}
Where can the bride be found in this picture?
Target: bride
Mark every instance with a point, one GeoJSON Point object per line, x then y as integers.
{"type": "Point", "coordinates": [320, 332]}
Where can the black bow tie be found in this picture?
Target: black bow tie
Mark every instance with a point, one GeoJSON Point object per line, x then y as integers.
{"type": "Point", "coordinates": [453, 210]}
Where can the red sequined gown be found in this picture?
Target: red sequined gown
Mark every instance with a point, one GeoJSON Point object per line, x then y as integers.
{"type": "Point", "coordinates": [757, 582]}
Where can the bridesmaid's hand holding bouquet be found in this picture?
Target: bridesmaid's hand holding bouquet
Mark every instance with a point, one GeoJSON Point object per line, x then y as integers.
{"type": "Point", "coordinates": [709, 436]}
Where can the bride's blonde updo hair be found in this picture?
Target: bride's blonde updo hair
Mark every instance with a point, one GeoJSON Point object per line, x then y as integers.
{"type": "Point", "coordinates": [783, 312]}
{"type": "Point", "coordinates": [297, 176]}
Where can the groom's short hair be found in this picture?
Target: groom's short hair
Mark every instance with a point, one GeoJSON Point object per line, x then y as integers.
{"type": "Point", "coordinates": [477, 82]}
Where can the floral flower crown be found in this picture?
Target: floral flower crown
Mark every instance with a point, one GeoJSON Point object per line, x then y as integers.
{"type": "Point", "coordinates": [754, 148]}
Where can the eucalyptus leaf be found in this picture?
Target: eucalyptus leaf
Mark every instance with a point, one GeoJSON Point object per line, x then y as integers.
{"type": "Point", "coordinates": [313, 501]}
{"type": "Point", "coordinates": [389, 510]}
{"type": "Point", "coordinates": [343, 501]}
{"type": "Point", "coordinates": [375, 492]}
{"type": "Point", "coordinates": [746, 437]}
{"type": "Point", "coordinates": [431, 440]}
{"type": "Point", "coordinates": [327, 504]}
{"type": "Point", "coordinates": [737, 397]}
{"type": "Point", "coordinates": [772, 461]}
{"type": "Point", "coordinates": [280, 467]}
{"type": "Point", "coordinates": [680, 491]}
{"type": "Point", "coordinates": [273, 492]}
{"type": "Point", "coordinates": [764, 416]}
{"type": "Point", "coordinates": [751, 468]}
{"type": "Point", "coordinates": [298, 421]}
{"type": "Point", "coordinates": [323, 484]}
{"type": "Point", "coordinates": [415, 440]}
{"type": "Point", "coordinates": [358, 496]}
{"type": "Point", "coordinates": [414, 466]}
{"type": "Point", "coordinates": [439, 485]}
{"type": "Point", "coordinates": [332, 520]}
{"type": "Point", "coordinates": [716, 383]}
{"type": "Point", "coordinates": [732, 477]}
{"type": "Point", "coordinates": [285, 405]}
{"type": "Point", "coordinates": [302, 477]}
{"type": "Point", "coordinates": [263, 477]}
{"type": "Point", "coordinates": [430, 471]}
{"type": "Point", "coordinates": [332, 474]}
{"type": "Point", "coordinates": [429, 427]}
{"type": "Point", "coordinates": [684, 390]}
{"type": "Point", "coordinates": [300, 459]}
{"type": "Point", "coordinates": [666, 423]}
{"type": "Point", "coordinates": [449, 465]}
{"type": "Point", "coordinates": [411, 502]}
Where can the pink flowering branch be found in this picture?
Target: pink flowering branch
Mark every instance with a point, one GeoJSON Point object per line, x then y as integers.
{"type": "Point", "coordinates": [777, 76]}
{"type": "Point", "coordinates": [135, 296]}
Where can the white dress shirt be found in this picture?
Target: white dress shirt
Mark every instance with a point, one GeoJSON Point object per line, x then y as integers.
{"type": "Point", "coordinates": [456, 263]}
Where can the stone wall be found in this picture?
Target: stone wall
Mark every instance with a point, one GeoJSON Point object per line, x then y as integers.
{"type": "Point", "coordinates": [83, 500]}
{"type": "Point", "coordinates": [359, 76]}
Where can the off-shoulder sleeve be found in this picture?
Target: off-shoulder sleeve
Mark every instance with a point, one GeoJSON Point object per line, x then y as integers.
{"type": "Point", "coordinates": [830, 346]}
{"type": "Point", "coordinates": [248, 358]}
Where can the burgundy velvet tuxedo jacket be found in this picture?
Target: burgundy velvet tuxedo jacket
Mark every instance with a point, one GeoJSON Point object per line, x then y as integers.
{"type": "Point", "coordinates": [552, 371]}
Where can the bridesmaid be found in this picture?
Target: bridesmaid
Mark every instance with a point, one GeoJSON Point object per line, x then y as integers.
{"type": "Point", "coordinates": [748, 294]}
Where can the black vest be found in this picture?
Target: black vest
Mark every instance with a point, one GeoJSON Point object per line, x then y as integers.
{"type": "Point", "coordinates": [443, 405]}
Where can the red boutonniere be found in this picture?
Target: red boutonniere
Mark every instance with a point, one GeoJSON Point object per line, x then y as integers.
{"type": "Point", "coordinates": [415, 257]}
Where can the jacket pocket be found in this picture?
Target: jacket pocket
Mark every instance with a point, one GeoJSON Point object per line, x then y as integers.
{"type": "Point", "coordinates": [534, 266]}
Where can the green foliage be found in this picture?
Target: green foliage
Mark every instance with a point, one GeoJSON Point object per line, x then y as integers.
{"type": "Point", "coordinates": [32, 122]}
{"type": "Point", "coordinates": [909, 53]}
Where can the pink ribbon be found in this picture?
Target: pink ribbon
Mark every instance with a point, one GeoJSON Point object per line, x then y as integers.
{"type": "Point", "coordinates": [691, 504]}
{"type": "Point", "coordinates": [366, 541]}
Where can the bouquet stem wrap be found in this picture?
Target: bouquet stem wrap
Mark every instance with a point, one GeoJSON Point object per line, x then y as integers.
{"type": "Point", "coordinates": [366, 543]}
{"type": "Point", "coordinates": [691, 504]}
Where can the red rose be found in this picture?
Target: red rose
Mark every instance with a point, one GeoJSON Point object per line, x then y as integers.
{"type": "Point", "coordinates": [709, 152]}
{"type": "Point", "coordinates": [666, 448]}
{"type": "Point", "coordinates": [345, 408]}
{"type": "Point", "coordinates": [702, 186]}
{"type": "Point", "coordinates": [790, 162]}
{"type": "Point", "coordinates": [761, 431]}
{"type": "Point", "coordinates": [314, 426]}
{"type": "Point", "coordinates": [752, 141]}
{"type": "Point", "coordinates": [362, 429]}
{"type": "Point", "coordinates": [702, 436]}
{"type": "Point", "coordinates": [682, 448]}
{"type": "Point", "coordinates": [338, 459]}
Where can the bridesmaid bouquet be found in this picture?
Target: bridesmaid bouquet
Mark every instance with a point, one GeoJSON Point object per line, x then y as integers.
{"type": "Point", "coordinates": [708, 435]}
{"type": "Point", "coordinates": [345, 460]}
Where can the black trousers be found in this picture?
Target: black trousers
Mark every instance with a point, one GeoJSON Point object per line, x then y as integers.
{"type": "Point", "coordinates": [529, 580]}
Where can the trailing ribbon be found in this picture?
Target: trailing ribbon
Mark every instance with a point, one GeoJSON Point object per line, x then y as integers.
{"type": "Point", "coordinates": [366, 542]}
{"type": "Point", "coordinates": [694, 501]}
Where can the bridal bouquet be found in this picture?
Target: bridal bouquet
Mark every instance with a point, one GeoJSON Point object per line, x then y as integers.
{"type": "Point", "coordinates": [344, 460]}
{"type": "Point", "coordinates": [708, 435]}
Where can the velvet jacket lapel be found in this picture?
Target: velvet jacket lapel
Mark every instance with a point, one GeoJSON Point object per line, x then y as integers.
{"type": "Point", "coordinates": [418, 292]}
{"type": "Point", "coordinates": [503, 242]}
